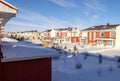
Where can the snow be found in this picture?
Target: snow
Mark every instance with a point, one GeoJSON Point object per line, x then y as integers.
{"type": "Point", "coordinates": [25, 50]}
{"type": "Point", "coordinates": [63, 66]}
{"type": "Point", "coordinates": [35, 41]}
{"type": "Point", "coordinates": [8, 39]}
{"type": "Point", "coordinates": [106, 51]}
{"type": "Point", "coordinates": [63, 69]}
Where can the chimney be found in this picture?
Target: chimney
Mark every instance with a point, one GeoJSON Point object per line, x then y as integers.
{"type": "Point", "coordinates": [108, 24]}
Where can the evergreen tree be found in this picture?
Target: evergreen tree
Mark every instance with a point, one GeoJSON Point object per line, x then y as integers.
{"type": "Point", "coordinates": [12, 36]}
{"type": "Point", "coordinates": [22, 38]}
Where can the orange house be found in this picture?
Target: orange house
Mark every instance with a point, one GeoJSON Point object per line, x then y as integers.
{"type": "Point", "coordinates": [103, 35]}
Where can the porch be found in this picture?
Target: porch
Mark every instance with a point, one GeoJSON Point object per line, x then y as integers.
{"type": "Point", "coordinates": [109, 42]}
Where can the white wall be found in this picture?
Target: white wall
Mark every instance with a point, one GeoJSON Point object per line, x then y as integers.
{"type": "Point", "coordinates": [118, 36]}
{"type": "Point", "coordinates": [84, 33]}
{"type": "Point", "coordinates": [52, 33]}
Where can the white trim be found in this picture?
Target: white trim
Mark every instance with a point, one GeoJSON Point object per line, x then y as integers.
{"type": "Point", "coordinates": [9, 4]}
{"type": "Point", "coordinates": [104, 39]}
{"type": "Point", "coordinates": [28, 58]}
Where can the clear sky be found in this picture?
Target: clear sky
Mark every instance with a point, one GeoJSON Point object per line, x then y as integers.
{"type": "Point", "coordinates": [46, 14]}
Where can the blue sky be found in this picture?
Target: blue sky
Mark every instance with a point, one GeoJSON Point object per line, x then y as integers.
{"type": "Point", "coordinates": [46, 14]}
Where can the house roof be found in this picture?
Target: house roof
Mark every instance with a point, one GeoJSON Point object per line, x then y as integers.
{"type": "Point", "coordinates": [9, 5]}
{"type": "Point", "coordinates": [16, 51]}
{"type": "Point", "coordinates": [48, 30]}
{"type": "Point", "coordinates": [61, 29]}
{"type": "Point", "coordinates": [102, 27]}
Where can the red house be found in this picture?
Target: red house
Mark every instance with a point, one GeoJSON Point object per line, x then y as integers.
{"type": "Point", "coordinates": [63, 35]}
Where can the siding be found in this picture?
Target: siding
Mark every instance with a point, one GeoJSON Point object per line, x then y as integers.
{"type": "Point", "coordinates": [76, 39]}
{"type": "Point", "coordinates": [27, 70]}
{"type": "Point", "coordinates": [0, 70]}
{"type": "Point", "coordinates": [106, 34]}
{"type": "Point", "coordinates": [97, 34]}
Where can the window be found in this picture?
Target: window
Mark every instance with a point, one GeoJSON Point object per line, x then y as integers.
{"type": "Point", "coordinates": [102, 34]}
{"type": "Point", "coordinates": [100, 42]}
{"type": "Point", "coordinates": [109, 42]}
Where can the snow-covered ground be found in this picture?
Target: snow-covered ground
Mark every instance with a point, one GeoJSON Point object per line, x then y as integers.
{"type": "Point", "coordinates": [106, 51]}
{"type": "Point", "coordinates": [63, 67]}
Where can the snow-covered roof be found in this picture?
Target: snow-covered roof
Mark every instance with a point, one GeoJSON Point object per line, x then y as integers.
{"type": "Point", "coordinates": [8, 4]}
{"type": "Point", "coordinates": [16, 52]}
{"type": "Point", "coordinates": [8, 39]}
{"type": "Point", "coordinates": [102, 27]}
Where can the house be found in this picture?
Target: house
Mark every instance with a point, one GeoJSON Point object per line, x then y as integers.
{"type": "Point", "coordinates": [28, 35]}
{"type": "Point", "coordinates": [102, 35]}
{"type": "Point", "coordinates": [63, 35]}
{"type": "Point", "coordinates": [75, 35]}
{"type": "Point", "coordinates": [21, 63]}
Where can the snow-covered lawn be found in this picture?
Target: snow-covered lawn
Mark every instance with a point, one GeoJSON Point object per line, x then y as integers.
{"type": "Point", "coordinates": [106, 51]}
{"type": "Point", "coordinates": [63, 69]}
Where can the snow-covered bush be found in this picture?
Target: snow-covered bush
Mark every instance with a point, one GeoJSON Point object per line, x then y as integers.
{"type": "Point", "coordinates": [69, 50]}
{"type": "Point", "coordinates": [110, 68]}
{"type": "Point", "coordinates": [78, 65]}
{"type": "Point", "coordinates": [65, 52]}
{"type": "Point", "coordinates": [22, 38]}
{"type": "Point", "coordinates": [65, 47]}
{"type": "Point", "coordinates": [82, 46]}
{"type": "Point", "coordinates": [100, 58]}
{"type": "Point", "coordinates": [73, 53]}
{"type": "Point", "coordinates": [118, 65]}
{"type": "Point", "coordinates": [75, 48]}
{"type": "Point", "coordinates": [12, 36]}
{"type": "Point", "coordinates": [119, 60]}
{"type": "Point", "coordinates": [77, 52]}
{"type": "Point", "coordinates": [85, 55]}
{"type": "Point", "coordinates": [99, 72]}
